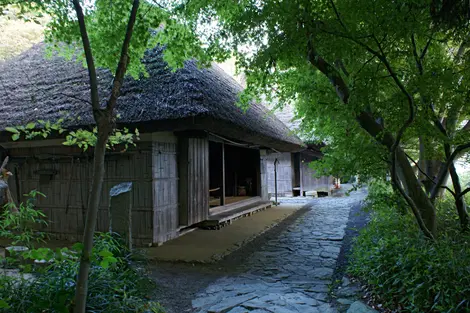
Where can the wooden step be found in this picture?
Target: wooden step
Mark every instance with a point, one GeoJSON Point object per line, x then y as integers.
{"type": "Point", "coordinates": [216, 221]}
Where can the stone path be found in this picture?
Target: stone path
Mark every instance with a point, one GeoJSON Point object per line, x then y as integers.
{"type": "Point", "coordinates": [289, 274]}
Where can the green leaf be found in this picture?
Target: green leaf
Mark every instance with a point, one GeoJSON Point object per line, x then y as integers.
{"type": "Point", "coordinates": [104, 263]}
{"type": "Point", "coordinates": [78, 246]}
{"type": "Point", "coordinates": [30, 125]}
{"type": "Point", "coordinates": [15, 137]}
{"type": "Point", "coordinates": [12, 130]}
{"type": "Point", "coordinates": [105, 253]}
{"type": "Point", "coordinates": [4, 304]}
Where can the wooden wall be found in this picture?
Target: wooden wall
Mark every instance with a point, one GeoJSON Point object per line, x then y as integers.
{"type": "Point", "coordinates": [194, 180]}
{"type": "Point", "coordinates": [67, 191]}
{"type": "Point", "coordinates": [284, 174]}
{"type": "Point", "coordinates": [165, 186]}
{"type": "Point", "coordinates": [309, 182]}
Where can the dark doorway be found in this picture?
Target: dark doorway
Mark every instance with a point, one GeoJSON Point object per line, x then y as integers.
{"type": "Point", "coordinates": [216, 184]}
{"type": "Point", "coordinates": [234, 173]}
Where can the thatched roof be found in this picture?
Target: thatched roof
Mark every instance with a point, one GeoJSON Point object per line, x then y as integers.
{"type": "Point", "coordinates": [34, 88]}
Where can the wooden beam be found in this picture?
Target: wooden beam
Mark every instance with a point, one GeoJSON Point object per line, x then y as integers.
{"type": "Point", "coordinates": [301, 178]}
{"type": "Point", "coordinates": [222, 197]}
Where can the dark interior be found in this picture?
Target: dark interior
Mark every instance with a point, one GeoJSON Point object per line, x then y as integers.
{"type": "Point", "coordinates": [242, 173]}
{"type": "Point", "coordinates": [215, 168]}
{"type": "Point", "coordinates": [241, 170]}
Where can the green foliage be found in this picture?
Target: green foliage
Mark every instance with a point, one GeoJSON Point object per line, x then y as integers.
{"type": "Point", "coordinates": [21, 224]}
{"type": "Point", "coordinates": [271, 41]}
{"type": "Point", "coordinates": [117, 281]}
{"type": "Point", "coordinates": [32, 130]}
{"type": "Point", "coordinates": [106, 25]}
{"type": "Point", "coordinates": [406, 270]}
{"type": "Point", "coordinates": [82, 138]}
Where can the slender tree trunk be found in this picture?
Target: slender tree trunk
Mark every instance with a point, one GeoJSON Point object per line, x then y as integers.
{"type": "Point", "coordinates": [442, 191]}
{"type": "Point", "coordinates": [459, 201]}
{"type": "Point", "coordinates": [104, 119]}
{"type": "Point", "coordinates": [460, 204]}
{"type": "Point", "coordinates": [91, 217]}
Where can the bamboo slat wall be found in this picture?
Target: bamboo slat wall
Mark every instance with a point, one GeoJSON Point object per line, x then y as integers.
{"type": "Point", "coordinates": [64, 175]}
{"type": "Point", "coordinates": [194, 180]}
{"type": "Point", "coordinates": [165, 188]}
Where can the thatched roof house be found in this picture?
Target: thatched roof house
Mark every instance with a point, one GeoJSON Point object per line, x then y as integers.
{"type": "Point", "coordinates": [34, 87]}
{"type": "Point", "coordinates": [200, 155]}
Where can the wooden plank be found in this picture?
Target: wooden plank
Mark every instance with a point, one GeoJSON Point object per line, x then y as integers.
{"type": "Point", "coordinates": [231, 215]}
{"type": "Point", "coordinates": [222, 199]}
{"type": "Point", "coordinates": [191, 191]}
{"type": "Point", "coordinates": [165, 194]}
{"type": "Point", "coordinates": [235, 205]}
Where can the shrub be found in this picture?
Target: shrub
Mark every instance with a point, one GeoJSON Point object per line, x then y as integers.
{"type": "Point", "coordinates": [118, 282]}
{"type": "Point", "coordinates": [21, 226]}
{"type": "Point", "coordinates": [407, 271]}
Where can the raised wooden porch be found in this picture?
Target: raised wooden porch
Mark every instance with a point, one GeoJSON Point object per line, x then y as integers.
{"type": "Point", "coordinates": [226, 214]}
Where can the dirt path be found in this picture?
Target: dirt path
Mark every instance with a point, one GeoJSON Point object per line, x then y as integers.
{"type": "Point", "coordinates": [287, 269]}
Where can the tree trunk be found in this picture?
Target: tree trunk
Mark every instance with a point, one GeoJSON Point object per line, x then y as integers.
{"type": "Point", "coordinates": [459, 201]}
{"type": "Point", "coordinates": [423, 165]}
{"type": "Point", "coordinates": [442, 191]}
{"type": "Point", "coordinates": [416, 193]}
{"type": "Point", "coordinates": [91, 217]}
{"type": "Point", "coordinates": [412, 186]}
{"type": "Point", "coordinates": [104, 119]}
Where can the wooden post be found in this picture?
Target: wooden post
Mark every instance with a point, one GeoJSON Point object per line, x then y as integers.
{"type": "Point", "coordinates": [301, 178]}
{"type": "Point", "coordinates": [276, 161]}
{"type": "Point", "coordinates": [222, 197]}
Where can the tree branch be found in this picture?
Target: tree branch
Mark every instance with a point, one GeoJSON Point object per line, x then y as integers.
{"type": "Point", "coordinates": [465, 191]}
{"type": "Point", "coordinates": [409, 97]}
{"type": "Point", "coordinates": [337, 14]}
{"type": "Point", "coordinates": [329, 71]}
{"type": "Point", "coordinates": [368, 123]}
{"type": "Point", "coordinates": [408, 199]}
{"type": "Point", "coordinates": [427, 176]}
{"type": "Point", "coordinates": [95, 101]}
{"type": "Point", "coordinates": [466, 126]}
{"type": "Point", "coordinates": [425, 50]}
{"type": "Point", "coordinates": [446, 166]}
{"type": "Point", "coordinates": [461, 50]}
{"type": "Point", "coordinates": [419, 65]}
{"type": "Point", "coordinates": [74, 97]}
{"type": "Point", "coordinates": [124, 59]}
{"type": "Point", "coordinates": [382, 57]}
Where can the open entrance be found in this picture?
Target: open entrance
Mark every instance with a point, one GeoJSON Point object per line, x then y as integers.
{"type": "Point", "coordinates": [234, 174]}
{"type": "Point", "coordinates": [296, 176]}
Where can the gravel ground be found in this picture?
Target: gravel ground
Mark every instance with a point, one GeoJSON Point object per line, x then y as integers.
{"type": "Point", "coordinates": [178, 283]}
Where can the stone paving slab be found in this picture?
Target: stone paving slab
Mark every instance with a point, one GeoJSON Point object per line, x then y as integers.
{"type": "Point", "coordinates": [291, 273]}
